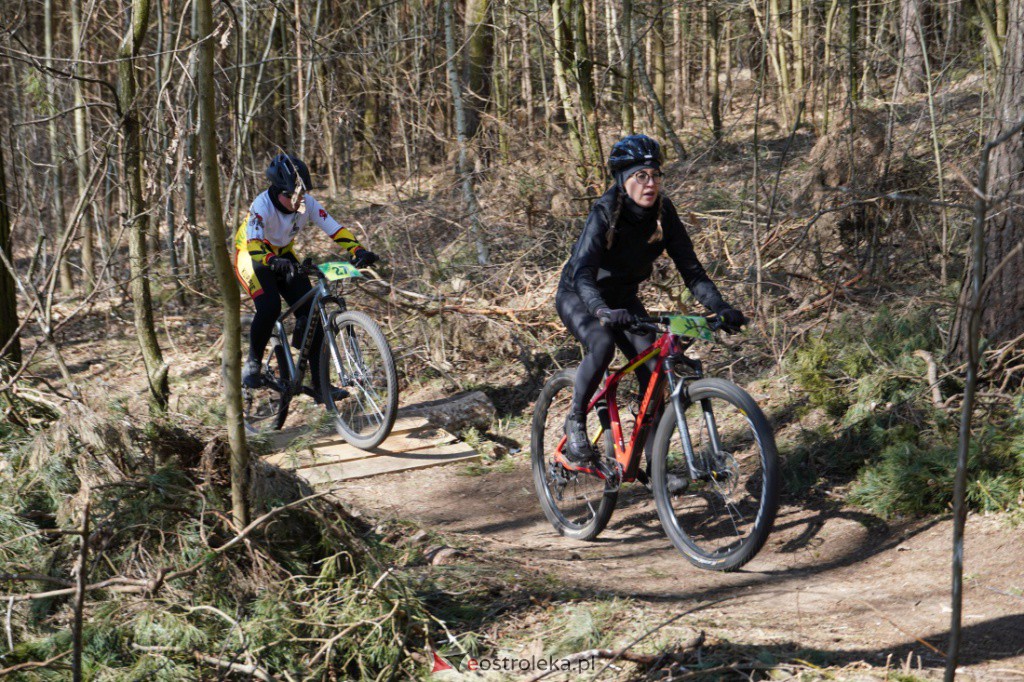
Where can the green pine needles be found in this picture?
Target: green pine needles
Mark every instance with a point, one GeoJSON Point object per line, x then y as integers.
{"type": "Point", "coordinates": [886, 438]}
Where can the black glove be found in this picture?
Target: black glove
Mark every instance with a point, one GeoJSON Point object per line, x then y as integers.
{"type": "Point", "coordinates": [363, 258]}
{"type": "Point", "coordinates": [284, 267]}
{"type": "Point", "coordinates": [617, 318]}
{"type": "Point", "coordinates": [732, 320]}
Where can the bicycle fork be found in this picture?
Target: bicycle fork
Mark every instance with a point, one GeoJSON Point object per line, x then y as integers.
{"type": "Point", "coordinates": [676, 389]}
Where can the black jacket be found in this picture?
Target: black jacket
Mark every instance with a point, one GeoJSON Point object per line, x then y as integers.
{"type": "Point", "coordinates": [610, 277]}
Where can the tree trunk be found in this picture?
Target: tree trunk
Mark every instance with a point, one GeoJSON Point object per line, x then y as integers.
{"type": "Point", "coordinates": [714, 73]}
{"type": "Point", "coordinates": [190, 164]}
{"type": "Point", "coordinates": [479, 57]}
{"type": "Point", "coordinates": [461, 131]}
{"type": "Point", "coordinates": [231, 357]}
{"type": "Point", "coordinates": [163, 66]}
{"type": "Point", "coordinates": [562, 65]}
{"type": "Point", "coordinates": [911, 49]}
{"type": "Point", "coordinates": [1002, 319]}
{"type": "Point", "coordinates": [659, 111]}
{"type": "Point", "coordinates": [503, 79]}
{"type": "Point", "coordinates": [853, 53]}
{"type": "Point", "coordinates": [57, 163]}
{"type": "Point", "coordinates": [992, 39]}
{"type": "Point", "coordinates": [549, 110]}
{"type": "Point", "coordinates": [8, 292]}
{"type": "Point", "coordinates": [658, 57]}
{"type": "Point", "coordinates": [588, 98]}
{"type": "Point", "coordinates": [527, 83]}
{"type": "Point", "coordinates": [137, 218]}
{"type": "Point", "coordinates": [776, 34]}
{"type": "Point", "coordinates": [799, 64]}
{"type": "Point", "coordinates": [81, 150]}
{"type": "Point", "coordinates": [626, 37]}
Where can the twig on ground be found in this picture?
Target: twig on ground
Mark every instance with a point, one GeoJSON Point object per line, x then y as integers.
{"type": "Point", "coordinates": [33, 665]}
{"type": "Point", "coordinates": [252, 670]}
{"type": "Point", "coordinates": [164, 574]}
{"type": "Point", "coordinates": [933, 376]}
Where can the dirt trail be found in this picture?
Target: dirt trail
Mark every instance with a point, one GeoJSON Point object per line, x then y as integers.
{"type": "Point", "coordinates": [832, 579]}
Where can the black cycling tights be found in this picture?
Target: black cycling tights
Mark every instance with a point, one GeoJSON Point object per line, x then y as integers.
{"type": "Point", "coordinates": [599, 344]}
{"type": "Point", "coordinates": [268, 309]}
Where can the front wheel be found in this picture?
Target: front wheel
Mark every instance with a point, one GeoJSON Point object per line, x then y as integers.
{"type": "Point", "coordinates": [359, 383]}
{"type": "Point", "coordinates": [578, 505]}
{"type": "Point", "coordinates": [719, 515]}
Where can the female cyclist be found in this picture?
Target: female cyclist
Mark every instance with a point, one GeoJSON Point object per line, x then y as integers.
{"type": "Point", "coordinates": [627, 229]}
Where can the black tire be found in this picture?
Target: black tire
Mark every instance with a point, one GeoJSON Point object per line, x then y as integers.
{"type": "Point", "coordinates": [719, 520]}
{"type": "Point", "coordinates": [577, 505]}
{"type": "Point", "coordinates": [266, 408]}
{"type": "Point", "coordinates": [365, 417]}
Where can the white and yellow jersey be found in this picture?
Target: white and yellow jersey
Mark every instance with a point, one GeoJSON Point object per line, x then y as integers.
{"type": "Point", "coordinates": [267, 231]}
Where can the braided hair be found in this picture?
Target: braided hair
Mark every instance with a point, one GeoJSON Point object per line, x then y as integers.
{"type": "Point", "coordinates": [613, 219]}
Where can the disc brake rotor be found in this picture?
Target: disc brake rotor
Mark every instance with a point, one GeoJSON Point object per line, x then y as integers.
{"type": "Point", "coordinates": [725, 473]}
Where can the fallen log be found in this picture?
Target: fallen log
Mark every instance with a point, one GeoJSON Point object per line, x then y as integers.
{"type": "Point", "coordinates": [457, 413]}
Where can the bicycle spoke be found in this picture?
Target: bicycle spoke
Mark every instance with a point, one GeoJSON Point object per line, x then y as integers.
{"type": "Point", "coordinates": [577, 504]}
{"type": "Point", "coordinates": [360, 363]}
{"type": "Point", "coordinates": [721, 517]}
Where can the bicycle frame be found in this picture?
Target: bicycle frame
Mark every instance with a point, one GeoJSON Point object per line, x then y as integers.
{"type": "Point", "coordinates": [317, 317]}
{"type": "Point", "coordinates": [666, 349]}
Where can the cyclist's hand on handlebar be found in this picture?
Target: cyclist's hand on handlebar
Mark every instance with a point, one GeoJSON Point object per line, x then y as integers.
{"type": "Point", "coordinates": [617, 318]}
{"type": "Point", "coordinates": [284, 267]}
{"type": "Point", "coordinates": [732, 320]}
{"type": "Point", "coordinates": [363, 258]}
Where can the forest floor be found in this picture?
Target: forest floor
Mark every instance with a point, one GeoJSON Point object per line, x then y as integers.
{"type": "Point", "coordinates": [837, 592]}
{"type": "Point", "coordinates": [835, 586]}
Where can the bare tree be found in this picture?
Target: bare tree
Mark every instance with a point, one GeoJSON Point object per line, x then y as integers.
{"type": "Point", "coordinates": [477, 65]}
{"type": "Point", "coordinates": [8, 298]}
{"type": "Point", "coordinates": [231, 356]}
{"type": "Point", "coordinates": [57, 186]}
{"type": "Point", "coordinates": [461, 128]}
{"type": "Point", "coordinates": [911, 49]}
{"type": "Point", "coordinates": [1002, 301]}
{"type": "Point", "coordinates": [137, 218]}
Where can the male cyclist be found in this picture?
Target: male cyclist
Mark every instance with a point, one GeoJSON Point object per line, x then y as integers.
{"type": "Point", "coordinates": [265, 262]}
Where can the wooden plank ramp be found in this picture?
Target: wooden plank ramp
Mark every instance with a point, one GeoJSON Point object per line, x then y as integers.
{"type": "Point", "coordinates": [325, 458]}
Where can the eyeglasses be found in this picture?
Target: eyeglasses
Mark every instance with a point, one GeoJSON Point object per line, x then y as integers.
{"type": "Point", "coordinates": [643, 177]}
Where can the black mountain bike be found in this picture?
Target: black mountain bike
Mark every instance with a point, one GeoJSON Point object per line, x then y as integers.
{"type": "Point", "coordinates": [358, 380]}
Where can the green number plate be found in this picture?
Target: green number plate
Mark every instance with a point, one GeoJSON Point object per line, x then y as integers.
{"type": "Point", "coordinates": [339, 270]}
{"type": "Point", "coordinates": [691, 325]}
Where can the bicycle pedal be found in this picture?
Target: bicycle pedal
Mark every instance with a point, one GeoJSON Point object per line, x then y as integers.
{"type": "Point", "coordinates": [611, 471]}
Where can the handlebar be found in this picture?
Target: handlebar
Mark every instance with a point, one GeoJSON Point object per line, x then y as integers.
{"type": "Point", "coordinates": [307, 268]}
{"type": "Point", "coordinates": [659, 322]}
{"type": "Point", "coordinates": [310, 269]}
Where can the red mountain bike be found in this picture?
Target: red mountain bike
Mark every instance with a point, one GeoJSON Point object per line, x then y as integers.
{"type": "Point", "coordinates": [713, 464]}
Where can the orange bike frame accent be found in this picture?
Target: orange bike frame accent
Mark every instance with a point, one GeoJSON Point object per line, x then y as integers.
{"type": "Point", "coordinates": [628, 456]}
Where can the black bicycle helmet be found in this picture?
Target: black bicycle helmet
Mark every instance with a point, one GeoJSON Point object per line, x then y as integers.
{"type": "Point", "coordinates": [634, 150]}
{"type": "Point", "coordinates": [282, 172]}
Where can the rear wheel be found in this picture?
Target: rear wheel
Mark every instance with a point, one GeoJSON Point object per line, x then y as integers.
{"type": "Point", "coordinates": [265, 408]}
{"type": "Point", "coordinates": [364, 410]}
{"type": "Point", "coordinates": [720, 517]}
{"type": "Point", "coordinates": [578, 505]}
